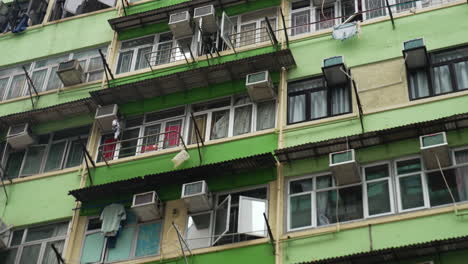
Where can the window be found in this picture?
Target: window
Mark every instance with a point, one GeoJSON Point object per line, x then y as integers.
{"type": "Point", "coordinates": [311, 99]}
{"type": "Point", "coordinates": [69, 8]}
{"type": "Point", "coordinates": [22, 13]}
{"type": "Point", "coordinates": [34, 244]}
{"type": "Point", "coordinates": [447, 72]}
{"type": "Point", "coordinates": [236, 217]}
{"type": "Point", "coordinates": [51, 152]}
{"type": "Point", "coordinates": [136, 53]}
{"type": "Point", "coordinates": [133, 240]}
{"type": "Point", "coordinates": [253, 28]}
{"type": "Point", "coordinates": [44, 74]}
{"type": "Point", "coordinates": [387, 188]}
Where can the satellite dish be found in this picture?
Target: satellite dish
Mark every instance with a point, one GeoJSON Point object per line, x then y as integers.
{"type": "Point", "coordinates": [345, 31]}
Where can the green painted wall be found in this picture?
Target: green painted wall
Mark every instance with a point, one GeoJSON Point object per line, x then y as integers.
{"type": "Point", "coordinates": [258, 254]}
{"type": "Point", "coordinates": [162, 163]}
{"type": "Point", "coordinates": [56, 38]}
{"type": "Point", "coordinates": [77, 121]}
{"type": "Point", "coordinates": [143, 31]}
{"type": "Point", "coordinates": [39, 200]}
{"type": "Point", "coordinates": [139, 8]}
{"type": "Point", "coordinates": [379, 42]}
{"type": "Point", "coordinates": [378, 121]}
{"type": "Point", "coordinates": [419, 230]}
{"type": "Point", "coordinates": [250, 6]}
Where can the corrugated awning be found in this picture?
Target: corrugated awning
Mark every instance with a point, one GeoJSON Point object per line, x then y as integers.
{"type": "Point", "coordinates": [51, 113]}
{"type": "Point", "coordinates": [156, 181]}
{"type": "Point", "coordinates": [399, 253]}
{"type": "Point", "coordinates": [162, 14]}
{"type": "Point", "coordinates": [369, 139]}
{"type": "Point", "coordinates": [194, 78]}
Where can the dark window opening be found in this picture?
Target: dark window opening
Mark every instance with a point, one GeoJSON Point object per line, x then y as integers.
{"type": "Point", "coordinates": [69, 8]}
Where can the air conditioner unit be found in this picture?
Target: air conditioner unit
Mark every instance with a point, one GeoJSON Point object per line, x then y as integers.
{"type": "Point", "coordinates": [105, 115]}
{"type": "Point", "coordinates": [433, 147]}
{"type": "Point", "coordinates": [415, 54]}
{"type": "Point", "coordinates": [259, 86]}
{"type": "Point", "coordinates": [20, 136]}
{"type": "Point", "coordinates": [196, 196]}
{"type": "Point", "coordinates": [207, 14]}
{"type": "Point", "coordinates": [4, 234]}
{"type": "Point", "coordinates": [147, 206]}
{"type": "Point", "coordinates": [181, 25]}
{"type": "Point", "coordinates": [335, 71]}
{"type": "Point", "coordinates": [344, 167]}
{"type": "Point", "coordinates": [70, 72]}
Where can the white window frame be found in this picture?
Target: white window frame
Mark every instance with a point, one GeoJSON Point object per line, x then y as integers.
{"type": "Point", "coordinates": [42, 242]}
{"type": "Point", "coordinates": [258, 31]}
{"type": "Point", "coordinates": [390, 181]}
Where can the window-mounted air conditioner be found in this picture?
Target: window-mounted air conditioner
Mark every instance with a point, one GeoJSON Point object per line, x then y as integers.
{"type": "Point", "coordinates": [259, 86]}
{"type": "Point", "coordinates": [4, 234]}
{"type": "Point", "coordinates": [20, 136]}
{"type": "Point", "coordinates": [105, 115]}
{"type": "Point", "coordinates": [181, 25]}
{"type": "Point", "coordinates": [415, 54]}
{"type": "Point", "coordinates": [208, 17]}
{"type": "Point", "coordinates": [335, 71]}
{"type": "Point", "coordinates": [196, 196]}
{"type": "Point", "coordinates": [344, 167]}
{"type": "Point", "coordinates": [147, 206]}
{"type": "Point", "coordinates": [433, 147]}
{"type": "Point", "coordinates": [70, 73]}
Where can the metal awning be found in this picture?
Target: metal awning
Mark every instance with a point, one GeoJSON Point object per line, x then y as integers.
{"type": "Point", "coordinates": [369, 139]}
{"type": "Point", "coordinates": [159, 180]}
{"type": "Point", "coordinates": [194, 78]}
{"type": "Point", "coordinates": [430, 248]}
{"type": "Point", "coordinates": [51, 113]}
{"type": "Point", "coordinates": [162, 14]}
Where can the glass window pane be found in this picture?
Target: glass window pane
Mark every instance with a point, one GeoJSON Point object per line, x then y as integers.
{"type": "Point", "coordinates": [172, 138]}
{"type": "Point", "coordinates": [33, 160]}
{"type": "Point", "coordinates": [438, 191]}
{"type": "Point", "coordinates": [324, 17]}
{"type": "Point", "coordinates": [300, 211]}
{"type": "Point", "coordinates": [300, 186]}
{"type": "Point", "coordinates": [48, 231]}
{"type": "Point", "coordinates": [318, 104]}
{"type": "Point", "coordinates": [442, 79]}
{"type": "Point", "coordinates": [16, 87]}
{"type": "Point", "coordinates": [30, 254]}
{"type": "Point", "coordinates": [266, 115]}
{"type": "Point", "coordinates": [92, 248]}
{"type": "Point", "coordinates": [75, 153]}
{"type": "Point", "coordinates": [8, 256]}
{"type": "Point", "coordinates": [349, 205]}
{"type": "Point", "coordinates": [324, 182]}
{"type": "Point", "coordinates": [461, 156]}
{"type": "Point", "coordinates": [376, 6]}
{"type": "Point", "coordinates": [164, 53]}
{"type": "Point", "coordinates": [125, 61]}
{"type": "Point", "coordinates": [17, 237]}
{"type": "Point", "coordinates": [222, 216]}
{"type": "Point", "coordinates": [149, 239]}
{"type": "Point", "coordinates": [137, 42]}
{"type": "Point", "coordinates": [376, 172]}
{"type": "Point", "coordinates": [248, 33]}
{"type": "Point", "coordinates": [123, 245]}
{"type": "Point", "coordinates": [3, 85]}
{"type": "Point", "coordinates": [340, 100]}
{"type": "Point", "coordinates": [378, 197]}
{"type": "Point", "coordinates": [408, 166]}
{"type": "Point", "coordinates": [419, 86]}
{"type": "Point", "coordinates": [151, 139]}
{"type": "Point", "coordinates": [143, 57]}
{"type": "Point", "coordinates": [13, 166]}
{"type": "Point", "coordinates": [49, 254]}
{"type": "Point", "coordinates": [95, 76]}
{"type": "Point", "coordinates": [263, 29]}
{"type": "Point", "coordinates": [411, 193]}
{"type": "Point", "coordinates": [54, 80]}
{"type": "Point", "coordinates": [461, 71]}
{"type": "Point", "coordinates": [198, 230]}
{"type": "Point", "coordinates": [242, 120]}
{"type": "Point", "coordinates": [296, 108]}
{"type": "Point", "coordinates": [95, 64]}
{"type": "Point", "coordinates": [300, 22]}
{"type": "Point", "coordinates": [55, 156]}
{"type": "Point", "coordinates": [38, 78]}
{"type": "Point", "coordinates": [129, 142]}
{"type": "Point", "coordinates": [200, 121]}
{"type": "Point", "coordinates": [250, 220]}
{"type": "Point", "coordinates": [219, 124]}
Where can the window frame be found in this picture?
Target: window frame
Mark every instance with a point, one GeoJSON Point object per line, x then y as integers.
{"type": "Point", "coordinates": [390, 187]}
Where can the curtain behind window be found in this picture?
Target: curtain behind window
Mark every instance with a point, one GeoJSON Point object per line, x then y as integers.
{"type": "Point", "coordinates": [462, 174]}
{"type": "Point", "coordinates": [242, 120]}
{"type": "Point", "coordinates": [340, 100]}
{"type": "Point", "coordinates": [419, 86]}
{"type": "Point", "coordinates": [265, 115]}
{"type": "Point", "coordinates": [461, 72]}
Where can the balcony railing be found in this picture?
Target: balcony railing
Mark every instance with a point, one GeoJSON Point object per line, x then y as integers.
{"type": "Point", "coordinates": [168, 55]}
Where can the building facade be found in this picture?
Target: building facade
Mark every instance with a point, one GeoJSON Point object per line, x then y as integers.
{"type": "Point", "coordinates": [230, 131]}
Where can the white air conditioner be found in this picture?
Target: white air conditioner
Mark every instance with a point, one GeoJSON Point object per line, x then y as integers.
{"type": "Point", "coordinates": [70, 72]}
{"type": "Point", "coordinates": [344, 167]}
{"type": "Point", "coordinates": [19, 136]}
{"type": "Point", "coordinates": [181, 25]}
{"type": "Point", "coordinates": [147, 206]}
{"type": "Point", "coordinates": [105, 115]}
{"type": "Point", "coordinates": [259, 86]}
{"type": "Point", "coordinates": [196, 196]}
{"type": "Point", "coordinates": [433, 147]}
{"type": "Point", "coordinates": [207, 14]}
{"type": "Point", "coordinates": [5, 232]}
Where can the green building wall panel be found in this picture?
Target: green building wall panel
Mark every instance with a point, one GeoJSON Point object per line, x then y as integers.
{"type": "Point", "coordinates": [139, 8]}
{"type": "Point", "coordinates": [378, 121]}
{"type": "Point", "coordinates": [440, 29]}
{"type": "Point", "coordinates": [78, 121]}
{"type": "Point", "coordinates": [162, 163]}
{"type": "Point", "coordinates": [56, 38]}
{"type": "Point", "coordinates": [40, 200]}
{"type": "Point", "coordinates": [394, 234]}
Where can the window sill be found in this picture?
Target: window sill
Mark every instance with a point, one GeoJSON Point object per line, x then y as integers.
{"type": "Point", "coordinates": [189, 147]}
{"type": "Point", "coordinates": [41, 176]}
{"type": "Point", "coordinates": [322, 121]}
{"type": "Point", "coordinates": [317, 231]}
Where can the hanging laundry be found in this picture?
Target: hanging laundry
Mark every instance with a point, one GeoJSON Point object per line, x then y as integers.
{"type": "Point", "coordinates": [111, 217]}
{"type": "Point", "coordinates": [22, 24]}
{"type": "Point", "coordinates": [116, 128]}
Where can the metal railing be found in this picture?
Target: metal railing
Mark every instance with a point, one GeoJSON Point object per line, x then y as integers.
{"type": "Point", "coordinates": [115, 149]}
{"type": "Point", "coordinates": [254, 36]}
{"type": "Point", "coordinates": [168, 55]}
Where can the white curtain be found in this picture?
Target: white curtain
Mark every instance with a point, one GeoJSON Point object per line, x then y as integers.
{"type": "Point", "coordinates": [461, 71]}
{"type": "Point", "coordinates": [125, 61]}
{"type": "Point", "coordinates": [220, 124]}
{"type": "Point", "coordinates": [418, 84]}
{"type": "Point", "coordinates": [242, 120]}
{"type": "Point", "coordinates": [322, 206]}
{"type": "Point", "coordinates": [442, 81]}
{"type": "Point", "coordinates": [318, 104]}
{"type": "Point", "coordinates": [340, 100]}
{"type": "Point", "coordinates": [266, 115]}
{"type": "Point", "coordinates": [297, 107]}
{"type": "Point", "coordinates": [462, 174]}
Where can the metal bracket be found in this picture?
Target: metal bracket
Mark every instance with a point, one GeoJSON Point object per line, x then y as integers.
{"type": "Point", "coordinates": [125, 5]}
{"type": "Point", "coordinates": [86, 157]}
{"type": "Point", "coordinates": [284, 28]}
{"type": "Point", "coordinates": [390, 13]}
{"type": "Point", "coordinates": [31, 85]}
{"type": "Point", "coordinates": [270, 234]}
{"type": "Point", "coordinates": [182, 243]}
{"type": "Point", "coordinates": [57, 254]}
{"type": "Point", "coordinates": [107, 70]}
{"type": "Point", "coordinates": [359, 105]}
{"type": "Point", "coordinates": [2, 178]}
{"type": "Point", "coordinates": [271, 33]}
{"type": "Point", "coordinates": [198, 137]}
